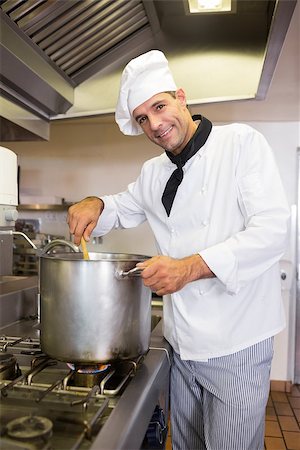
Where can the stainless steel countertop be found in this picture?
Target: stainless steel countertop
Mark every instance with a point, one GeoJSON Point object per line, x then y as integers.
{"type": "Point", "coordinates": [13, 283]}
{"type": "Point", "coordinates": [125, 427]}
{"type": "Point", "coordinates": [138, 401]}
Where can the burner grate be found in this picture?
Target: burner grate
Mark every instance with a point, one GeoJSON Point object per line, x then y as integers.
{"type": "Point", "coordinates": [75, 416]}
{"type": "Point", "coordinates": [83, 416]}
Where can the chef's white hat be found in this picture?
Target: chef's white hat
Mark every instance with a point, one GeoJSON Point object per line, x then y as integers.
{"type": "Point", "coordinates": [143, 77]}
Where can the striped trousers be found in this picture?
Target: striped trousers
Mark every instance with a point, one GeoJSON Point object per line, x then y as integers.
{"type": "Point", "coordinates": [220, 404]}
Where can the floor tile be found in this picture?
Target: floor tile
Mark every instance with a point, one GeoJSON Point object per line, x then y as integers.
{"type": "Point", "coordinates": [271, 413]}
{"type": "Point", "coordinates": [274, 443]}
{"type": "Point", "coordinates": [168, 444]}
{"type": "Point", "coordinates": [270, 401]}
{"type": "Point", "coordinates": [288, 423]}
{"type": "Point", "coordinates": [297, 414]}
{"type": "Point", "coordinates": [272, 429]}
{"type": "Point", "coordinates": [292, 440]}
{"type": "Point", "coordinates": [295, 392]}
{"type": "Point", "coordinates": [295, 402]}
{"type": "Point", "coordinates": [283, 409]}
{"type": "Point", "coordinates": [279, 397]}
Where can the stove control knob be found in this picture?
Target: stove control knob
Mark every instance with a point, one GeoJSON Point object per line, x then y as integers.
{"type": "Point", "coordinates": [11, 215]}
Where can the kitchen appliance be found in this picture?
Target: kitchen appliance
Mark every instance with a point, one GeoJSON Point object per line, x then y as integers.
{"type": "Point", "coordinates": [17, 294]}
{"type": "Point", "coordinates": [49, 404]}
{"type": "Point", "coordinates": [8, 204]}
{"type": "Point", "coordinates": [94, 307]}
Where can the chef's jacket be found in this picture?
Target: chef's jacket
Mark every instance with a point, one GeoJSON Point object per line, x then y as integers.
{"type": "Point", "coordinates": [231, 209]}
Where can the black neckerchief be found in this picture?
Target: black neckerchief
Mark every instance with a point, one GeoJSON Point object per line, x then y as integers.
{"type": "Point", "coordinates": [191, 148]}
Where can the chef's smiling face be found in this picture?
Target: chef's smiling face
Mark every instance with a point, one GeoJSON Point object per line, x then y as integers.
{"type": "Point", "coordinates": [166, 120]}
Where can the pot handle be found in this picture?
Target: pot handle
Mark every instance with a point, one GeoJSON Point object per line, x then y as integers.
{"type": "Point", "coordinates": [135, 272]}
{"type": "Point", "coordinates": [59, 242]}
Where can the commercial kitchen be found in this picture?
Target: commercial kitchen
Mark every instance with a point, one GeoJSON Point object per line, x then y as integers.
{"type": "Point", "coordinates": [59, 143]}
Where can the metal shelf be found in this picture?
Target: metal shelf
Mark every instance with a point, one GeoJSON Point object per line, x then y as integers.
{"type": "Point", "coordinates": [44, 207]}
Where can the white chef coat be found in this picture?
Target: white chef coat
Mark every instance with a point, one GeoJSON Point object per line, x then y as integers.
{"type": "Point", "coordinates": [231, 209]}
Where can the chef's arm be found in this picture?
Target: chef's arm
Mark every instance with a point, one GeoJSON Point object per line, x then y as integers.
{"type": "Point", "coordinates": [257, 248]}
{"type": "Point", "coordinates": [235, 262]}
{"type": "Point", "coordinates": [165, 275]}
{"type": "Point", "coordinates": [249, 252]}
{"type": "Point", "coordinates": [83, 217]}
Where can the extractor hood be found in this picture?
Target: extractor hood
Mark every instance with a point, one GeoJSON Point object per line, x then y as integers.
{"type": "Point", "coordinates": [52, 50]}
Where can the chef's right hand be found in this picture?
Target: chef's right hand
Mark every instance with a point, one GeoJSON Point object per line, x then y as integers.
{"type": "Point", "coordinates": [83, 217]}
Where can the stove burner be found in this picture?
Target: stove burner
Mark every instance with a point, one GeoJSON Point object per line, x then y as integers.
{"type": "Point", "coordinates": [85, 375]}
{"type": "Point", "coordinates": [88, 369]}
{"type": "Point", "coordinates": [29, 427]}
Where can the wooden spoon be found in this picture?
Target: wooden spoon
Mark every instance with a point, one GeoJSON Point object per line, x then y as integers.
{"type": "Point", "coordinates": [85, 252]}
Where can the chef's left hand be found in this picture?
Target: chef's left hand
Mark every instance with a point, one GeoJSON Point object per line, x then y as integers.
{"type": "Point", "coordinates": [165, 275]}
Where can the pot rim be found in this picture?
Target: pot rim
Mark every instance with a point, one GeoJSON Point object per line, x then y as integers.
{"type": "Point", "coordinates": [96, 256]}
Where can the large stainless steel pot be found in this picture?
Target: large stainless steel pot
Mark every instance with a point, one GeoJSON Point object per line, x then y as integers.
{"type": "Point", "coordinates": [90, 310]}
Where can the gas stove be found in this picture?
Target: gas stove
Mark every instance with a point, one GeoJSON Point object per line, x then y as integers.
{"type": "Point", "coordinates": [48, 404]}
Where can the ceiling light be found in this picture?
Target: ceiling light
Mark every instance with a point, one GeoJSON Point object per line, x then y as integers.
{"type": "Point", "coordinates": [210, 6]}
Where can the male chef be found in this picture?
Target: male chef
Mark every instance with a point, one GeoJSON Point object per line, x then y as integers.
{"type": "Point", "coordinates": [216, 206]}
